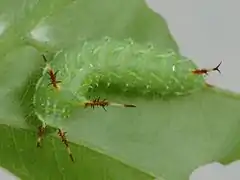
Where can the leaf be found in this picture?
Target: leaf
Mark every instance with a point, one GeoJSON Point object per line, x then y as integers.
{"type": "Point", "coordinates": [94, 22]}
{"type": "Point", "coordinates": [167, 139]}
{"type": "Point", "coordinates": [24, 27]}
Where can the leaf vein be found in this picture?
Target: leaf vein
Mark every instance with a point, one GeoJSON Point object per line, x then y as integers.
{"type": "Point", "coordinates": [26, 172]}
{"type": "Point", "coordinates": [56, 159]}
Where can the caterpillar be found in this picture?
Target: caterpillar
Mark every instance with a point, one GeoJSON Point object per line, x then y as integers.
{"type": "Point", "coordinates": [115, 66]}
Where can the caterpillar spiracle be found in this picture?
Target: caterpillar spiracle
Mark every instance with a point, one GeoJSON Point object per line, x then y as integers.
{"type": "Point", "coordinates": [113, 66]}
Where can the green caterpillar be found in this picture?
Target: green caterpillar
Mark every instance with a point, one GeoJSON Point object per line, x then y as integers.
{"type": "Point", "coordinates": [112, 66]}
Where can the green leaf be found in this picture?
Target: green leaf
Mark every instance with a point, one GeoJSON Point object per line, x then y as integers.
{"type": "Point", "coordinates": [22, 23]}
{"type": "Point", "coordinates": [51, 162]}
{"type": "Point", "coordinates": [162, 138]}
{"type": "Point", "coordinates": [168, 138]}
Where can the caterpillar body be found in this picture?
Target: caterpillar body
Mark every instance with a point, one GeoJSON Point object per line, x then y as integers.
{"type": "Point", "coordinates": [113, 66]}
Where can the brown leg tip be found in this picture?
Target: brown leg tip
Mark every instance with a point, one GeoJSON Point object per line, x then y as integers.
{"type": "Point", "coordinates": [71, 157]}
{"type": "Point", "coordinates": [38, 145]}
{"type": "Point", "coordinates": [129, 105]}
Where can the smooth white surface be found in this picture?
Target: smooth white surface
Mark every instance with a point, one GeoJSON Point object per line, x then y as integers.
{"type": "Point", "coordinates": [217, 171]}
{"type": "Point", "coordinates": [214, 171]}
{"type": "Point", "coordinates": [6, 175]}
{"type": "Point", "coordinates": [208, 32]}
